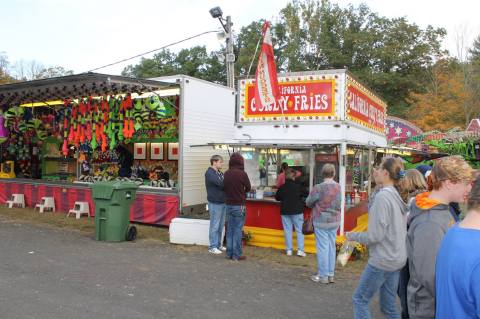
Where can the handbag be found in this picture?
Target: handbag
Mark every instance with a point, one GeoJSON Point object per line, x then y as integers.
{"type": "Point", "coordinates": [307, 227]}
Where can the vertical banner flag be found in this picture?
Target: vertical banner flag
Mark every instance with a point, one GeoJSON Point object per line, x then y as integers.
{"type": "Point", "coordinates": [266, 83]}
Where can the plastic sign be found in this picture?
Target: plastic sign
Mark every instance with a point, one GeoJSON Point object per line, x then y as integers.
{"type": "Point", "coordinates": [300, 100]}
{"type": "Point", "coordinates": [364, 108]}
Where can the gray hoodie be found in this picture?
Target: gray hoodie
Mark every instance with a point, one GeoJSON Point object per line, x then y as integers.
{"type": "Point", "coordinates": [426, 227]}
{"type": "Point", "coordinates": [387, 230]}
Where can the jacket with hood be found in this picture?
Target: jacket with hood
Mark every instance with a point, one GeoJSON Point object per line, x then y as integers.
{"type": "Point", "coordinates": [387, 231]}
{"type": "Point", "coordinates": [236, 183]}
{"type": "Point", "coordinates": [428, 222]}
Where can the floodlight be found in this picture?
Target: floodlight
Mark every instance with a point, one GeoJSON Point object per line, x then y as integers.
{"type": "Point", "coordinates": [216, 12]}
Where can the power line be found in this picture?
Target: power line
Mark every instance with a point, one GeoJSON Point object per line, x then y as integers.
{"type": "Point", "coordinates": [142, 54]}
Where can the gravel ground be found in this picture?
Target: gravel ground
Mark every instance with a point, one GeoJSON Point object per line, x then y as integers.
{"type": "Point", "coordinates": [60, 273]}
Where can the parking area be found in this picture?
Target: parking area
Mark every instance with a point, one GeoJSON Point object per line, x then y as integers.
{"type": "Point", "coordinates": [57, 273]}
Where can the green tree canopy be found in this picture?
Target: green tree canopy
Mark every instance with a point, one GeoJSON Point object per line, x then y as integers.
{"type": "Point", "coordinates": [195, 61]}
{"type": "Point", "coordinates": [390, 55]}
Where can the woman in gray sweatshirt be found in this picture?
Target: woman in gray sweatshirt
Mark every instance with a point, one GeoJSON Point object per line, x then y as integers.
{"type": "Point", "coordinates": [385, 239]}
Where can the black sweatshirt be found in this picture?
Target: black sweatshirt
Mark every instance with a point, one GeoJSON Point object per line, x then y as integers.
{"type": "Point", "coordinates": [290, 194]}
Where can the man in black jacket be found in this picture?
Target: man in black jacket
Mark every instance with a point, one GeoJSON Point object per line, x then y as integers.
{"type": "Point", "coordinates": [216, 203]}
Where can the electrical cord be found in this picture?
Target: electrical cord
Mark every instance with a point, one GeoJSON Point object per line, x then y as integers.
{"type": "Point", "coordinates": [151, 51]}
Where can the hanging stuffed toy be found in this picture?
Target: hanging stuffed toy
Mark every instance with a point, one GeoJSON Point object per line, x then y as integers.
{"type": "Point", "coordinates": [3, 129]}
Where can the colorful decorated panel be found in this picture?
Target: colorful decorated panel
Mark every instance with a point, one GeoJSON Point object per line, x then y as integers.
{"type": "Point", "coordinates": [399, 129]}
{"type": "Point", "coordinates": [302, 98]}
{"type": "Point", "coordinates": [363, 107]}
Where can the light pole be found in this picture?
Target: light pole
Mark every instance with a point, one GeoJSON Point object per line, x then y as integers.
{"type": "Point", "coordinates": [230, 56]}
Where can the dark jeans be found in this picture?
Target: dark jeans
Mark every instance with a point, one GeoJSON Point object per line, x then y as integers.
{"type": "Point", "coordinates": [402, 290]}
{"type": "Point", "coordinates": [235, 221]}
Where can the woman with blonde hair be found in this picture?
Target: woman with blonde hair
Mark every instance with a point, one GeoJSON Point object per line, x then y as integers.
{"type": "Point", "coordinates": [429, 220]}
{"type": "Point", "coordinates": [413, 184]}
{"type": "Point", "coordinates": [385, 239]}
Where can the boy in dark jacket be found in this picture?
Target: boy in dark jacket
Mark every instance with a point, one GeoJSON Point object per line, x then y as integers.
{"type": "Point", "coordinates": [290, 194]}
{"type": "Point", "coordinates": [216, 203]}
{"type": "Point", "coordinates": [236, 184]}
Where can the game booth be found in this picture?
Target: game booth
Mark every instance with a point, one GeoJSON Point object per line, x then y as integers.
{"type": "Point", "coordinates": [321, 117]}
{"type": "Point", "coordinates": [60, 135]}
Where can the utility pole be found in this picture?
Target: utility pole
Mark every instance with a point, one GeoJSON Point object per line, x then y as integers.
{"type": "Point", "coordinates": [217, 13]}
{"type": "Point", "coordinates": [230, 56]}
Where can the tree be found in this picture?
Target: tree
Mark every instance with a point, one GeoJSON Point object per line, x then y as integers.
{"type": "Point", "coordinates": [442, 106]}
{"type": "Point", "coordinates": [24, 70]}
{"type": "Point", "coordinates": [51, 72]}
{"type": "Point", "coordinates": [475, 51]}
{"type": "Point", "coordinates": [389, 55]}
{"type": "Point", "coordinates": [195, 61]}
{"type": "Point", "coordinates": [4, 76]}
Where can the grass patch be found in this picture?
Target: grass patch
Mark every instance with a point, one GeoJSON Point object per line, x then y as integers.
{"type": "Point", "coordinates": [83, 225]}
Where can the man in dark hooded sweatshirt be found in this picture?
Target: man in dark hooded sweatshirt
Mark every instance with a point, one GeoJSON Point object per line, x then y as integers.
{"type": "Point", "coordinates": [236, 185]}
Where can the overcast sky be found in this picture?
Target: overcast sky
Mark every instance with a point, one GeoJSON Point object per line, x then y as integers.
{"type": "Point", "coordinates": [84, 34]}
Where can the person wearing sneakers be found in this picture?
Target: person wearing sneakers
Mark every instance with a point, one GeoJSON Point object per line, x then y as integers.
{"type": "Point", "coordinates": [236, 185]}
{"type": "Point", "coordinates": [385, 238]}
{"type": "Point", "coordinates": [290, 196]}
{"type": "Point", "coordinates": [325, 201]}
{"type": "Point", "coordinates": [430, 218]}
{"type": "Point", "coordinates": [216, 203]}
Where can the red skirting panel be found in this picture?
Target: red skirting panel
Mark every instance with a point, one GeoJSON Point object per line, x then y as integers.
{"type": "Point", "coordinates": [266, 214]}
{"type": "Point", "coordinates": [148, 208]}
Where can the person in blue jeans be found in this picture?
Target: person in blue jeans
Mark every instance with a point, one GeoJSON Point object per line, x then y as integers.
{"type": "Point", "coordinates": [291, 210]}
{"type": "Point", "coordinates": [386, 240]}
{"type": "Point", "coordinates": [216, 204]}
{"type": "Point", "coordinates": [325, 201]}
{"type": "Point", "coordinates": [236, 185]}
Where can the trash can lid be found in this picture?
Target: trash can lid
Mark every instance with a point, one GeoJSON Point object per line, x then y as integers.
{"type": "Point", "coordinates": [104, 190]}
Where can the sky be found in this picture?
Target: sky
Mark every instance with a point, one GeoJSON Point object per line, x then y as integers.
{"type": "Point", "coordinates": [84, 34]}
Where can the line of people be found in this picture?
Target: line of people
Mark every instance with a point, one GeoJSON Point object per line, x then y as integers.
{"type": "Point", "coordinates": [406, 227]}
{"type": "Point", "coordinates": [418, 249]}
{"type": "Point", "coordinates": [226, 196]}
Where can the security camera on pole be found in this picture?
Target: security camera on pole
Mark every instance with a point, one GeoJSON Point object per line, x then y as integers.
{"type": "Point", "coordinates": [230, 56]}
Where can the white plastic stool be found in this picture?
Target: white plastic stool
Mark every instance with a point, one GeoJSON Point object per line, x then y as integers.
{"type": "Point", "coordinates": [80, 208]}
{"type": "Point", "coordinates": [17, 200]}
{"type": "Point", "coordinates": [48, 203]}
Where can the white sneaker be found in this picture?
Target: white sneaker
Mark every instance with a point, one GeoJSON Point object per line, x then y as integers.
{"type": "Point", "coordinates": [215, 251]}
{"type": "Point", "coordinates": [222, 248]}
{"type": "Point", "coordinates": [289, 252]}
{"type": "Point", "coordinates": [301, 253]}
{"type": "Point", "coordinates": [317, 278]}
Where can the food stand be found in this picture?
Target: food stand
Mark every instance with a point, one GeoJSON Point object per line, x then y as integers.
{"type": "Point", "coordinates": [68, 132]}
{"type": "Point", "coordinates": [321, 117]}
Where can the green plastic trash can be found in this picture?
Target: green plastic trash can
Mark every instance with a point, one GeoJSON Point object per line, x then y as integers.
{"type": "Point", "coordinates": [112, 210]}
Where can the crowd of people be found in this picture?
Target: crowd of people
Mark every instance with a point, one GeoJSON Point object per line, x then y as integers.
{"type": "Point", "coordinates": [409, 217]}
{"type": "Point", "coordinates": [419, 249]}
